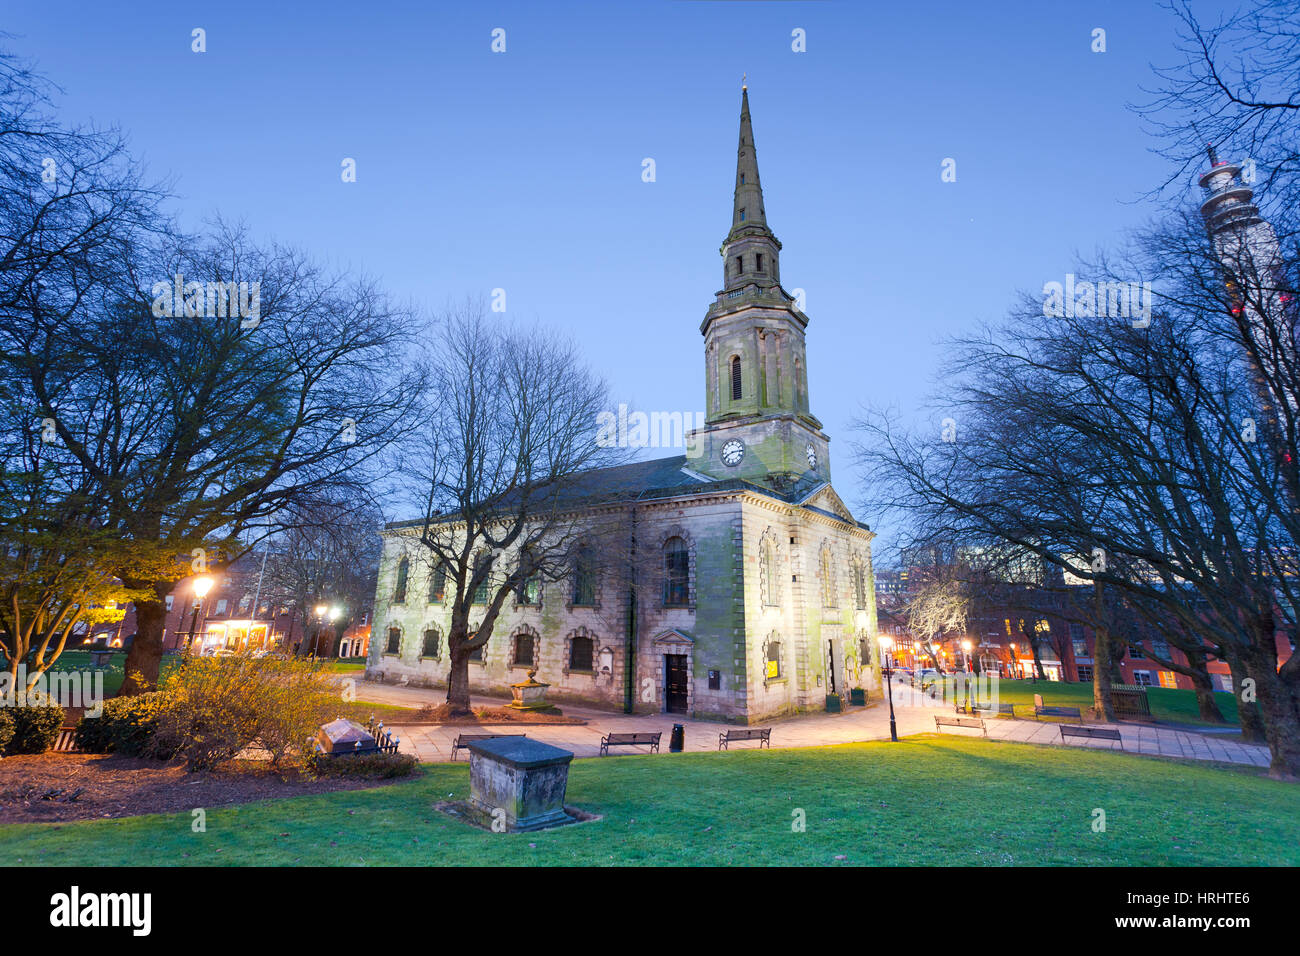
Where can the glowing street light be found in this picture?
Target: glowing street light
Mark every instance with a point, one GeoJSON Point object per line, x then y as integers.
{"type": "Point", "coordinates": [202, 585]}
{"type": "Point", "coordinates": [886, 643]}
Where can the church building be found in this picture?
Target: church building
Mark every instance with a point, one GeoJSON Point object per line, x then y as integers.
{"type": "Point", "coordinates": [755, 596]}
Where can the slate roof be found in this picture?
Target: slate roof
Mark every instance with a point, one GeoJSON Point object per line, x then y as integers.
{"type": "Point", "coordinates": [657, 479]}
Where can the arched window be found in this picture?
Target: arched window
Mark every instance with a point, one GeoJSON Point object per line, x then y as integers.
{"type": "Point", "coordinates": [403, 571]}
{"type": "Point", "coordinates": [432, 639]}
{"type": "Point", "coordinates": [767, 572]}
{"type": "Point", "coordinates": [582, 654]}
{"type": "Point", "coordinates": [735, 378]}
{"type": "Point", "coordinates": [530, 581]}
{"type": "Point", "coordinates": [828, 577]}
{"type": "Point", "coordinates": [677, 568]}
{"type": "Point", "coordinates": [525, 650]}
{"type": "Point", "coordinates": [483, 563]}
{"type": "Point", "coordinates": [864, 649]}
{"type": "Point", "coordinates": [438, 584]}
{"type": "Point", "coordinates": [394, 645]}
{"type": "Point", "coordinates": [476, 655]}
{"type": "Point", "coordinates": [584, 577]}
{"type": "Point", "coordinates": [859, 586]}
{"type": "Point", "coordinates": [772, 655]}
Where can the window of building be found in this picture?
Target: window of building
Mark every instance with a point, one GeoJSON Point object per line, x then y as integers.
{"type": "Point", "coordinates": [859, 587]}
{"type": "Point", "coordinates": [1167, 678]}
{"type": "Point", "coordinates": [677, 570]}
{"type": "Point", "coordinates": [476, 655]}
{"type": "Point", "coordinates": [221, 606]}
{"type": "Point", "coordinates": [773, 655]}
{"type": "Point", "coordinates": [828, 577]}
{"type": "Point", "coordinates": [1142, 678]}
{"type": "Point", "coordinates": [1135, 653]}
{"type": "Point", "coordinates": [1085, 673]}
{"type": "Point", "coordinates": [758, 262]}
{"type": "Point", "coordinates": [1080, 647]}
{"type": "Point", "coordinates": [438, 584]}
{"type": "Point", "coordinates": [864, 651]}
{"type": "Point", "coordinates": [1160, 649]}
{"type": "Point", "coordinates": [742, 215]}
{"type": "Point", "coordinates": [742, 179]}
{"type": "Point", "coordinates": [524, 647]}
{"type": "Point", "coordinates": [403, 571]}
{"type": "Point", "coordinates": [767, 572]}
{"type": "Point", "coordinates": [394, 645]}
{"type": "Point", "coordinates": [431, 641]}
{"type": "Point", "coordinates": [582, 654]}
{"type": "Point", "coordinates": [530, 582]}
{"type": "Point", "coordinates": [584, 577]}
{"type": "Point", "coordinates": [1076, 631]}
{"type": "Point", "coordinates": [736, 262]}
{"type": "Point", "coordinates": [735, 378]}
{"type": "Point", "coordinates": [482, 564]}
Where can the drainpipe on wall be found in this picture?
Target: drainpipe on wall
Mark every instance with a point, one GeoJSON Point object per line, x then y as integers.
{"type": "Point", "coordinates": [629, 651]}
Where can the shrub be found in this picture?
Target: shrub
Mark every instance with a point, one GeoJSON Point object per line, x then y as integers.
{"type": "Point", "coordinates": [35, 728]}
{"type": "Point", "coordinates": [126, 726]}
{"type": "Point", "coordinates": [376, 766]}
{"type": "Point", "coordinates": [218, 706]}
{"type": "Point", "coordinates": [6, 728]}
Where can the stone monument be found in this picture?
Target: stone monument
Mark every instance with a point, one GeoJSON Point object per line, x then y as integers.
{"type": "Point", "coordinates": [517, 784]}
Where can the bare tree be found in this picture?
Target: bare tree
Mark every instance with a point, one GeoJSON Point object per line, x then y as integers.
{"type": "Point", "coordinates": [511, 418]}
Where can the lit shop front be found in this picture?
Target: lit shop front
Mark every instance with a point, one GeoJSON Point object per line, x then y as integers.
{"type": "Point", "coordinates": [234, 636]}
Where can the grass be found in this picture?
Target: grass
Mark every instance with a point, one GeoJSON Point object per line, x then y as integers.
{"type": "Point", "coordinates": [1168, 704]}
{"type": "Point", "coordinates": [940, 801]}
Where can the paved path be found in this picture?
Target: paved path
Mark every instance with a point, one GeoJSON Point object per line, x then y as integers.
{"type": "Point", "coordinates": [432, 743]}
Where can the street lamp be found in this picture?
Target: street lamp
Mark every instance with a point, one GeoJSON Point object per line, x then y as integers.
{"type": "Point", "coordinates": [202, 585]}
{"type": "Point", "coordinates": [965, 653]}
{"type": "Point", "coordinates": [885, 644]}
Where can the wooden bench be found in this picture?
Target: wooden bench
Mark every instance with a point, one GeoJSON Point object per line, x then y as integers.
{"type": "Point", "coordinates": [1102, 733]}
{"type": "Point", "coordinates": [464, 740]}
{"type": "Point", "coordinates": [762, 734]}
{"type": "Point", "coordinates": [1057, 712]}
{"type": "Point", "coordinates": [971, 722]}
{"type": "Point", "coordinates": [630, 740]}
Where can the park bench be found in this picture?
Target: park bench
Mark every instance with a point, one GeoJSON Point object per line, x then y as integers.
{"type": "Point", "coordinates": [762, 734]}
{"type": "Point", "coordinates": [464, 740]}
{"type": "Point", "coordinates": [1057, 712]}
{"type": "Point", "coordinates": [630, 740]}
{"type": "Point", "coordinates": [1102, 733]}
{"type": "Point", "coordinates": [971, 722]}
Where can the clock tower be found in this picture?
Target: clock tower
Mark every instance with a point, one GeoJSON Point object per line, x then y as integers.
{"type": "Point", "coordinates": [757, 422]}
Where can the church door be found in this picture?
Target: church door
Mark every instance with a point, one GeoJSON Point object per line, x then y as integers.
{"type": "Point", "coordinates": [675, 697]}
{"type": "Point", "coordinates": [831, 687]}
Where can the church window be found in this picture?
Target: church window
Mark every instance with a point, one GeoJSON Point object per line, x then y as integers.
{"type": "Point", "coordinates": [431, 641]}
{"type": "Point", "coordinates": [742, 215]}
{"type": "Point", "coordinates": [438, 584]}
{"type": "Point", "coordinates": [828, 577]}
{"type": "Point", "coordinates": [739, 265]}
{"type": "Point", "coordinates": [677, 565]}
{"type": "Point", "coordinates": [735, 378]}
{"type": "Point", "coordinates": [742, 179]}
{"type": "Point", "coordinates": [581, 653]}
{"type": "Point", "coordinates": [773, 659]}
{"type": "Point", "coordinates": [394, 645]}
{"type": "Point", "coordinates": [859, 586]}
{"type": "Point", "coordinates": [483, 565]}
{"type": "Point", "coordinates": [403, 571]}
{"type": "Point", "coordinates": [767, 572]}
{"type": "Point", "coordinates": [584, 578]}
{"type": "Point", "coordinates": [524, 650]}
{"type": "Point", "coordinates": [476, 655]}
{"type": "Point", "coordinates": [530, 582]}
{"type": "Point", "coordinates": [864, 650]}
{"type": "Point", "coordinates": [758, 262]}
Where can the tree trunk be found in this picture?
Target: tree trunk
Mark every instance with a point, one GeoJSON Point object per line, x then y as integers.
{"type": "Point", "coordinates": [1103, 707]}
{"type": "Point", "coordinates": [144, 659]}
{"type": "Point", "coordinates": [1278, 708]}
{"type": "Point", "coordinates": [1248, 715]}
{"type": "Point", "coordinates": [1204, 687]}
{"type": "Point", "coordinates": [458, 681]}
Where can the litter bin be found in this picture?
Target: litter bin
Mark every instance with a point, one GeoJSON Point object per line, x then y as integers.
{"type": "Point", "coordinates": [677, 742]}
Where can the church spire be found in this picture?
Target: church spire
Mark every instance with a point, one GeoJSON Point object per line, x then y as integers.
{"type": "Point", "coordinates": [747, 210]}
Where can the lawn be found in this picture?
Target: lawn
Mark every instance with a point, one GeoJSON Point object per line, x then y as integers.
{"type": "Point", "coordinates": [940, 801]}
{"type": "Point", "coordinates": [1177, 706]}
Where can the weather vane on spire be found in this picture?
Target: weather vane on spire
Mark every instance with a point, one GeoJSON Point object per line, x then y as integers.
{"type": "Point", "coordinates": [743, 77]}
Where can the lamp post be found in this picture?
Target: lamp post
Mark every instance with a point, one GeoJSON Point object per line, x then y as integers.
{"type": "Point", "coordinates": [885, 644]}
{"type": "Point", "coordinates": [1015, 662]}
{"type": "Point", "coordinates": [202, 585]}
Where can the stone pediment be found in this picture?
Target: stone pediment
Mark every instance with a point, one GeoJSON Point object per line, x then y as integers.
{"type": "Point", "coordinates": [826, 499]}
{"type": "Point", "coordinates": [674, 637]}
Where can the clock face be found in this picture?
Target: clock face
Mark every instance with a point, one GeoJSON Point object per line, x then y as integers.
{"type": "Point", "coordinates": [732, 452]}
{"type": "Point", "coordinates": [812, 456]}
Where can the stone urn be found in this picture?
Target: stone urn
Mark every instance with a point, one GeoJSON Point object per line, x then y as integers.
{"type": "Point", "coordinates": [529, 694]}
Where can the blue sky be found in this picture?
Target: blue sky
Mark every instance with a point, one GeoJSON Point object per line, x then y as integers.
{"type": "Point", "coordinates": [522, 170]}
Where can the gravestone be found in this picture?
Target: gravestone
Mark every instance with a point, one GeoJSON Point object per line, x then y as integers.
{"type": "Point", "coordinates": [345, 736]}
{"type": "Point", "coordinates": [518, 784]}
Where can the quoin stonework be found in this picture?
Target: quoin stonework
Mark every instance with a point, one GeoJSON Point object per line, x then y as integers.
{"type": "Point", "coordinates": [755, 593]}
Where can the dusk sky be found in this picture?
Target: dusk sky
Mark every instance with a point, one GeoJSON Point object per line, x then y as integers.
{"type": "Point", "coordinates": [522, 170]}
